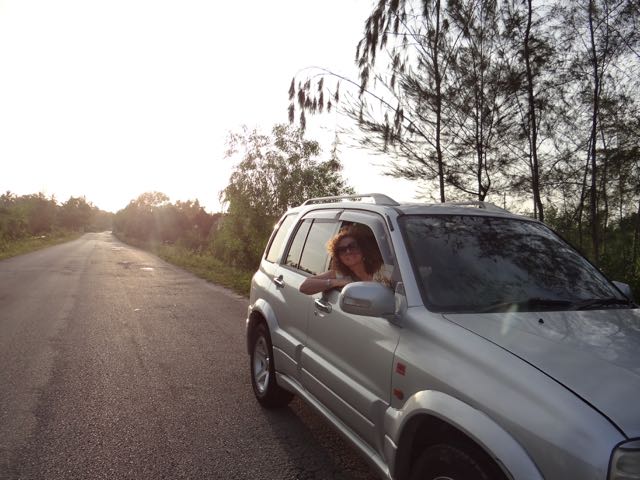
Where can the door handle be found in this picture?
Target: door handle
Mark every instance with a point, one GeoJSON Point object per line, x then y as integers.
{"type": "Point", "coordinates": [279, 281]}
{"type": "Point", "coordinates": [323, 306]}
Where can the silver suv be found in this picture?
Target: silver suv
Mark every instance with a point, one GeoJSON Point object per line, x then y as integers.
{"type": "Point", "coordinates": [498, 351]}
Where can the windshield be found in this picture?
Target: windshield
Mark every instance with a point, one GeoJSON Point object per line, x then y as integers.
{"type": "Point", "coordinates": [485, 264]}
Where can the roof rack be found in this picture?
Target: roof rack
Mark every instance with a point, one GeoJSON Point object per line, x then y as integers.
{"type": "Point", "coordinates": [476, 203]}
{"type": "Point", "coordinates": [378, 199]}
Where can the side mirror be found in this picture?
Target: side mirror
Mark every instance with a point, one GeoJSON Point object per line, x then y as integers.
{"type": "Point", "coordinates": [625, 289]}
{"type": "Point", "coordinates": [368, 298]}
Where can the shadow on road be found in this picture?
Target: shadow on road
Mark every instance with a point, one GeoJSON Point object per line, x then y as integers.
{"type": "Point", "coordinates": [319, 450]}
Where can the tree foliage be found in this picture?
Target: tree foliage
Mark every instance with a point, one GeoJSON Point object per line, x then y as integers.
{"type": "Point", "coordinates": [36, 215]}
{"type": "Point", "coordinates": [151, 217]}
{"type": "Point", "coordinates": [75, 213]}
{"type": "Point", "coordinates": [274, 171]}
{"type": "Point", "coordinates": [527, 100]}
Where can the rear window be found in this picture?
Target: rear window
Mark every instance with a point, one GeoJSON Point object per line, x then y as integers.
{"type": "Point", "coordinates": [314, 255]}
{"type": "Point", "coordinates": [274, 251]}
{"type": "Point", "coordinates": [295, 250]}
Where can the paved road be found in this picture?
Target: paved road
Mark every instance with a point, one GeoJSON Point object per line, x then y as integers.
{"type": "Point", "coordinates": [117, 365]}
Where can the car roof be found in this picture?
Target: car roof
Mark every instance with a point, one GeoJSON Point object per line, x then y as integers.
{"type": "Point", "coordinates": [381, 203]}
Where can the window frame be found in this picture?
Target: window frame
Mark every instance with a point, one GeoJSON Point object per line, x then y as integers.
{"type": "Point", "coordinates": [294, 235]}
{"type": "Point", "coordinates": [378, 226]}
{"type": "Point", "coordinates": [324, 216]}
{"type": "Point", "coordinates": [276, 229]}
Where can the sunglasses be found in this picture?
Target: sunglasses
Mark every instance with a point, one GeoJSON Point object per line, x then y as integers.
{"type": "Point", "coordinates": [349, 248]}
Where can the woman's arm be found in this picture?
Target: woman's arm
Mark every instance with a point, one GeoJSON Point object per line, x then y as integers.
{"type": "Point", "coordinates": [322, 282]}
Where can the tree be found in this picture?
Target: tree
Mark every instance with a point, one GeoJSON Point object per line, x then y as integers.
{"type": "Point", "coordinates": [601, 58]}
{"type": "Point", "coordinates": [35, 214]}
{"type": "Point", "coordinates": [40, 212]}
{"type": "Point", "coordinates": [399, 106]}
{"type": "Point", "coordinates": [519, 97]}
{"type": "Point", "coordinates": [76, 214]}
{"type": "Point", "coordinates": [152, 218]}
{"type": "Point", "coordinates": [531, 59]}
{"type": "Point", "coordinates": [483, 103]}
{"type": "Point", "coordinates": [194, 224]}
{"type": "Point", "coordinates": [13, 224]}
{"type": "Point", "coordinates": [139, 219]}
{"type": "Point", "coordinates": [274, 172]}
{"type": "Point", "coordinates": [432, 90]}
{"type": "Point", "coordinates": [412, 118]}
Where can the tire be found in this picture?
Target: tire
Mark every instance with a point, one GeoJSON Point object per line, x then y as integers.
{"type": "Point", "coordinates": [447, 462]}
{"type": "Point", "coordinates": [263, 378]}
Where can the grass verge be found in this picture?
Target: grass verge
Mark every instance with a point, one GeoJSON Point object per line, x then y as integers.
{"type": "Point", "coordinates": [206, 266]}
{"type": "Point", "coordinates": [13, 248]}
{"type": "Point", "coordinates": [203, 265]}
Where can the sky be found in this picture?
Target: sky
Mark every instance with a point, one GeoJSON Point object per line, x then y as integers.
{"type": "Point", "coordinates": [110, 99]}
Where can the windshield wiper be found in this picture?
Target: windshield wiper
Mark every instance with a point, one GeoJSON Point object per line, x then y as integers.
{"type": "Point", "coordinates": [593, 303]}
{"type": "Point", "coordinates": [530, 304]}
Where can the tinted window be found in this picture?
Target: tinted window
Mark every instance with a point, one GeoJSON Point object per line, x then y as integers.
{"type": "Point", "coordinates": [314, 255]}
{"type": "Point", "coordinates": [295, 250]}
{"type": "Point", "coordinates": [277, 243]}
{"type": "Point", "coordinates": [473, 264]}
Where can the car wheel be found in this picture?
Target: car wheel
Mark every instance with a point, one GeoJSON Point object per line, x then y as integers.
{"type": "Point", "coordinates": [447, 462]}
{"type": "Point", "coordinates": [263, 378]}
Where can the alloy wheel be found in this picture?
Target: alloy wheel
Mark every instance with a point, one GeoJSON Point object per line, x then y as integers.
{"type": "Point", "coordinates": [261, 363]}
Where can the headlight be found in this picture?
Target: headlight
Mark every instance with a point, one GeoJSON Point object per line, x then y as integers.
{"type": "Point", "coordinates": [625, 462]}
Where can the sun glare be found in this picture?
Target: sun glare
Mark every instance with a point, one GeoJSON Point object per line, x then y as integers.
{"type": "Point", "coordinates": [109, 100]}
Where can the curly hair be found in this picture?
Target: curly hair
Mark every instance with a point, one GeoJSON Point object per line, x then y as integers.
{"type": "Point", "coordinates": [364, 238]}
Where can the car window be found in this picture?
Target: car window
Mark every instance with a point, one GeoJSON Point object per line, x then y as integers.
{"type": "Point", "coordinates": [295, 250]}
{"type": "Point", "coordinates": [314, 255]}
{"type": "Point", "coordinates": [274, 251]}
{"type": "Point", "coordinates": [479, 264]}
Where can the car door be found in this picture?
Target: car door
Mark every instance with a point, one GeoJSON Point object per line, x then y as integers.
{"type": "Point", "coordinates": [348, 358]}
{"type": "Point", "coordinates": [292, 308]}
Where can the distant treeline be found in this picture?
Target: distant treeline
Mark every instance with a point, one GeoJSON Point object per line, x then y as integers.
{"type": "Point", "coordinates": [36, 215]}
{"type": "Point", "coordinates": [151, 218]}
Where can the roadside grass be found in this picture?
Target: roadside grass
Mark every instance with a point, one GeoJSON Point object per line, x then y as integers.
{"type": "Point", "coordinates": [203, 265]}
{"type": "Point", "coordinates": [13, 248]}
{"type": "Point", "coordinates": [206, 266]}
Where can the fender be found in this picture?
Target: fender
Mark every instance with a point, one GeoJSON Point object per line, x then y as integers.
{"type": "Point", "coordinates": [497, 442]}
{"type": "Point", "coordinates": [263, 308]}
{"type": "Point", "coordinates": [287, 364]}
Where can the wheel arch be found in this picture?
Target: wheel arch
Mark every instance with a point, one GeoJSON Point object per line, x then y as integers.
{"type": "Point", "coordinates": [260, 312]}
{"type": "Point", "coordinates": [428, 417]}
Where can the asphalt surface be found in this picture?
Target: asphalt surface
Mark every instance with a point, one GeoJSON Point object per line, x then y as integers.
{"type": "Point", "coordinates": [117, 365]}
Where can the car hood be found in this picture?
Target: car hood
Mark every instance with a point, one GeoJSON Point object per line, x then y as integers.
{"type": "Point", "coordinates": [596, 354]}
